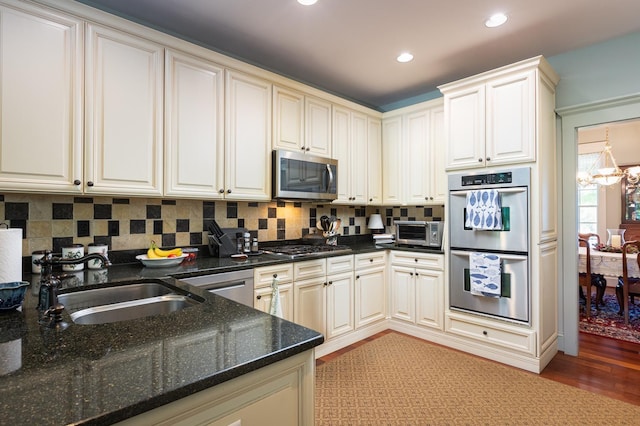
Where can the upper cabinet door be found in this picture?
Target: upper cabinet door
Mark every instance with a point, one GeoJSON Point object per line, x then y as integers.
{"type": "Point", "coordinates": [317, 127]}
{"type": "Point", "coordinates": [124, 113]}
{"type": "Point", "coordinates": [511, 119]}
{"type": "Point", "coordinates": [392, 161]}
{"type": "Point", "coordinates": [247, 137]}
{"type": "Point", "coordinates": [465, 127]}
{"type": "Point", "coordinates": [374, 161]}
{"type": "Point", "coordinates": [288, 119]}
{"type": "Point", "coordinates": [194, 126]}
{"type": "Point", "coordinates": [41, 100]}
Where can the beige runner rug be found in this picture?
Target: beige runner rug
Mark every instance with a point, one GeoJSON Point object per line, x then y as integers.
{"type": "Point", "coordinates": [400, 380]}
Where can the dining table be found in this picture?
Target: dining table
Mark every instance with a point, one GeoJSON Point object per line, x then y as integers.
{"type": "Point", "coordinates": [607, 263]}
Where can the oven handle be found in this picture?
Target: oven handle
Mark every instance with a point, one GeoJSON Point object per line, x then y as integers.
{"type": "Point", "coordinates": [500, 190]}
{"type": "Point", "coordinates": [506, 256]}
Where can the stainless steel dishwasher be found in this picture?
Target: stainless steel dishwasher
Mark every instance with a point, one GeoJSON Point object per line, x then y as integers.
{"type": "Point", "coordinates": [234, 285]}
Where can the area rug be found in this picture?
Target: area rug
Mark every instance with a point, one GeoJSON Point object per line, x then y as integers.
{"type": "Point", "coordinates": [607, 322]}
{"type": "Point", "coordinates": [401, 380]}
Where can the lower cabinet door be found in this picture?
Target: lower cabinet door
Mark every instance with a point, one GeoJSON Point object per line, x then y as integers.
{"type": "Point", "coordinates": [310, 302]}
{"type": "Point", "coordinates": [430, 298]}
{"type": "Point", "coordinates": [340, 306]}
{"type": "Point", "coordinates": [403, 306]}
{"type": "Point", "coordinates": [370, 296]}
{"type": "Point", "coordinates": [262, 300]}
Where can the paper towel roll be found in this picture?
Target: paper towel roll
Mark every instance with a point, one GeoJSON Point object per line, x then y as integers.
{"type": "Point", "coordinates": [10, 255]}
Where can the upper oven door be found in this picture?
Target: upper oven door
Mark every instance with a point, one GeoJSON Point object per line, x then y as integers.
{"type": "Point", "coordinates": [304, 176]}
{"type": "Point", "coordinates": [514, 235]}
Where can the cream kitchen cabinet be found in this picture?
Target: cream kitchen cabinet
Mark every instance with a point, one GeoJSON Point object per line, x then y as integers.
{"type": "Point", "coordinates": [417, 288]}
{"type": "Point", "coordinates": [301, 122]}
{"type": "Point", "coordinates": [492, 119]}
{"type": "Point", "coordinates": [124, 114]}
{"type": "Point", "coordinates": [350, 148]}
{"type": "Point", "coordinates": [374, 161]}
{"type": "Point", "coordinates": [194, 126]}
{"type": "Point", "coordinates": [263, 278]}
{"type": "Point", "coordinates": [392, 161]}
{"type": "Point", "coordinates": [247, 138]}
{"type": "Point", "coordinates": [413, 153]}
{"type": "Point", "coordinates": [370, 288]}
{"type": "Point", "coordinates": [324, 295]}
{"type": "Point", "coordinates": [42, 96]}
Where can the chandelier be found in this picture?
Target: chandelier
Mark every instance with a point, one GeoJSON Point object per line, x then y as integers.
{"type": "Point", "coordinates": [609, 173]}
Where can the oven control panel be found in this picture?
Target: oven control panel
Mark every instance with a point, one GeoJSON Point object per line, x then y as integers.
{"type": "Point", "coordinates": [487, 179]}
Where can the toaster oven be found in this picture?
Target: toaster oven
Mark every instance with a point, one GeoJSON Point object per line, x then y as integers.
{"type": "Point", "coordinates": [419, 233]}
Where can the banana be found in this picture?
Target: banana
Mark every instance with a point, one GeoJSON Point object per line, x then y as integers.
{"type": "Point", "coordinates": [151, 254]}
{"type": "Point", "coordinates": [164, 253]}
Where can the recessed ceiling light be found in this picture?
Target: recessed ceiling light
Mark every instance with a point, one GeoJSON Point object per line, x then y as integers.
{"type": "Point", "coordinates": [496, 20]}
{"type": "Point", "coordinates": [307, 2]}
{"type": "Point", "coordinates": [405, 57]}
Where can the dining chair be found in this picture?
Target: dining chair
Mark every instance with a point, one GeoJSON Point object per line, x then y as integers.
{"type": "Point", "coordinates": [588, 279]}
{"type": "Point", "coordinates": [628, 286]}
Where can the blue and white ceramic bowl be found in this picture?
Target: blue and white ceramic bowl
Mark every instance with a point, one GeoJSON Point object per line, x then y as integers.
{"type": "Point", "coordinates": [12, 294]}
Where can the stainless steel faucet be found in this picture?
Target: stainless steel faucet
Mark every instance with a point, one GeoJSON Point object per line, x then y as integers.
{"type": "Point", "coordinates": [48, 304]}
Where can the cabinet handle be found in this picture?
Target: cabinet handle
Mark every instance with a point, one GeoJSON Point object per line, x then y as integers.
{"type": "Point", "coordinates": [89, 183]}
{"type": "Point", "coordinates": [77, 182]}
{"type": "Point", "coordinates": [258, 297]}
{"type": "Point", "coordinates": [221, 191]}
{"type": "Point", "coordinates": [488, 158]}
{"type": "Point", "coordinates": [228, 191]}
{"type": "Point", "coordinates": [479, 160]}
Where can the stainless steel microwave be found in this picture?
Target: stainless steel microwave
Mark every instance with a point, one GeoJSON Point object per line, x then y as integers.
{"type": "Point", "coordinates": [419, 233]}
{"type": "Point", "coordinates": [299, 176]}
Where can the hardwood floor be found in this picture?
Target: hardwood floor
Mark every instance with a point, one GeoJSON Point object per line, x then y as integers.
{"type": "Point", "coordinates": [606, 366]}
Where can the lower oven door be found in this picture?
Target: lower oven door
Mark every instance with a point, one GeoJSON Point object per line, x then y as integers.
{"type": "Point", "coordinates": [513, 303]}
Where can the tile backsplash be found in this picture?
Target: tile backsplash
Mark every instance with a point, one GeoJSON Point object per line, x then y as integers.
{"type": "Point", "coordinates": [53, 221]}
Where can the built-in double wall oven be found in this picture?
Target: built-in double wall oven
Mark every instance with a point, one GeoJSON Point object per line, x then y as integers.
{"type": "Point", "coordinates": [489, 238]}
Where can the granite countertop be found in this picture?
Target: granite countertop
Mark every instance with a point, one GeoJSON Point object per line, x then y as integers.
{"type": "Point", "coordinates": [101, 374]}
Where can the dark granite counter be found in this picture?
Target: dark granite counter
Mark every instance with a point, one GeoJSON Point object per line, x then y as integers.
{"type": "Point", "coordinates": [101, 374]}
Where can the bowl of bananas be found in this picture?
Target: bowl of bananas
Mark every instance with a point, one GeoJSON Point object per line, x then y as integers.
{"type": "Point", "coordinates": [159, 258]}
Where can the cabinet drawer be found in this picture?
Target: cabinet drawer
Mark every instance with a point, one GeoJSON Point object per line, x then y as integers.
{"type": "Point", "coordinates": [336, 265]}
{"type": "Point", "coordinates": [263, 276]}
{"type": "Point", "coordinates": [495, 334]}
{"type": "Point", "coordinates": [418, 260]}
{"type": "Point", "coordinates": [309, 269]}
{"type": "Point", "coordinates": [370, 260]}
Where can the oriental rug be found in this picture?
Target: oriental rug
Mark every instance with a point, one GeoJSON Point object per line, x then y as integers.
{"type": "Point", "coordinates": [606, 321]}
{"type": "Point", "coordinates": [401, 380]}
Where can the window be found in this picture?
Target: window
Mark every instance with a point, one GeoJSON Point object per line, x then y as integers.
{"type": "Point", "coordinates": [587, 197]}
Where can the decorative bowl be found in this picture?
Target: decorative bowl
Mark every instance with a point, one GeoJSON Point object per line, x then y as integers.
{"type": "Point", "coordinates": [163, 262]}
{"type": "Point", "coordinates": [12, 294]}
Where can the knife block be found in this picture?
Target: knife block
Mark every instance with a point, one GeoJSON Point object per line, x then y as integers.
{"type": "Point", "coordinates": [225, 244]}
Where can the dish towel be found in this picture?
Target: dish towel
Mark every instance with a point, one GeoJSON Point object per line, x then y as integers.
{"type": "Point", "coordinates": [484, 210]}
{"type": "Point", "coordinates": [276, 307]}
{"type": "Point", "coordinates": [485, 272]}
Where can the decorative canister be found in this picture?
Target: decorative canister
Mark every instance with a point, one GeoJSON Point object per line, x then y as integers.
{"type": "Point", "coordinates": [36, 255]}
{"type": "Point", "coordinates": [73, 251]}
{"type": "Point", "coordinates": [97, 248]}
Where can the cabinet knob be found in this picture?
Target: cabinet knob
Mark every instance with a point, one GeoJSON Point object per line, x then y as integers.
{"type": "Point", "coordinates": [275, 275]}
{"type": "Point", "coordinates": [357, 277]}
{"type": "Point", "coordinates": [371, 260]}
{"type": "Point", "coordinates": [258, 297]}
{"type": "Point", "coordinates": [370, 200]}
{"type": "Point", "coordinates": [308, 149]}
{"type": "Point", "coordinates": [221, 191]}
{"type": "Point", "coordinates": [302, 148]}
{"type": "Point", "coordinates": [325, 283]}
{"type": "Point", "coordinates": [77, 182]}
{"type": "Point", "coordinates": [488, 158]}
{"type": "Point", "coordinates": [479, 160]}
{"type": "Point", "coordinates": [330, 282]}
{"type": "Point", "coordinates": [90, 183]}
{"type": "Point", "coordinates": [411, 273]}
{"type": "Point", "coordinates": [416, 260]}
{"type": "Point", "coordinates": [485, 332]}
{"type": "Point", "coordinates": [228, 191]}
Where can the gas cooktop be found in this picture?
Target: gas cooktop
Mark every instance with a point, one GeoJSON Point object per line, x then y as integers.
{"type": "Point", "coordinates": [306, 250]}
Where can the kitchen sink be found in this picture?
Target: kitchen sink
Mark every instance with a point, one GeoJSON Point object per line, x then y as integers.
{"type": "Point", "coordinates": [125, 302]}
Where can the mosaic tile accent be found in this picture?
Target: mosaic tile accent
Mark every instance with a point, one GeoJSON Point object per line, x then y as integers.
{"type": "Point", "coordinates": [52, 221]}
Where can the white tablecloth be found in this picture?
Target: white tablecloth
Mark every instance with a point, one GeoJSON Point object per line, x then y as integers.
{"type": "Point", "coordinates": [607, 264]}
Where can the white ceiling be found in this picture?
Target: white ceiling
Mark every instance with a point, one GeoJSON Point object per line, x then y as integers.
{"type": "Point", "coordinates": [348, 47]}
